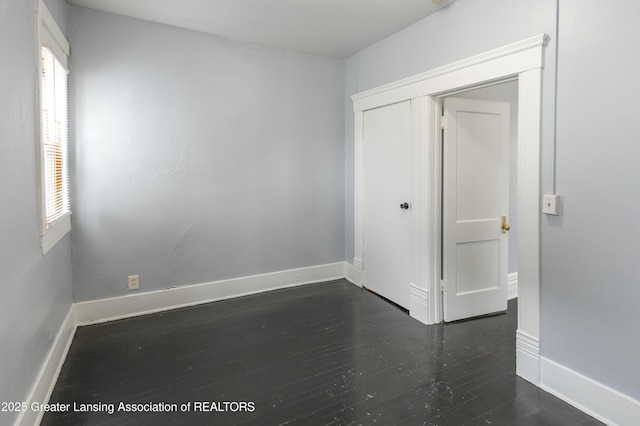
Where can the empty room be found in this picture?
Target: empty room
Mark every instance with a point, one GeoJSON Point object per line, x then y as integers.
{"type": "Point", "coordinates": [319, 212]}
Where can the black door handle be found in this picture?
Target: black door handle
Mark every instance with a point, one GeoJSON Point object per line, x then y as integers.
{"type": "Point", "coordinates": [404, 206]}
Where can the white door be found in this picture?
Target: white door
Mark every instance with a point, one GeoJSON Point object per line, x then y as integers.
{"type": "Point", "coordinates": [475, 197]}
{"type": "Point", "coordinates": [386, 189]}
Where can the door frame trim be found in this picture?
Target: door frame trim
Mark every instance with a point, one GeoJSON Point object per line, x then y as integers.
{"type": "Point", "coordinates": [523, 60]}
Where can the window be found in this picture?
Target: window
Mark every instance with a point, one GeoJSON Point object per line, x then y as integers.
{"type": "Point", "coordinates": [54, 130]}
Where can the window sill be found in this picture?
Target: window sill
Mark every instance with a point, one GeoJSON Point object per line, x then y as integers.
{"type": "Point", "coordinates": [55, 233]}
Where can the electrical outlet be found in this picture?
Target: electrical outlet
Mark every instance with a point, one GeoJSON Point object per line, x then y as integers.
{"type": "Point", "coordinates": [134, 282]}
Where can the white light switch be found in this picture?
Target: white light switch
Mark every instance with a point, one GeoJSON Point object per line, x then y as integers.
{"type": "Point", "coordinates": [550, 204]}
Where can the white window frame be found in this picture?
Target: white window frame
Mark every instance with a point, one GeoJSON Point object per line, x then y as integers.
{"type": "Point", "coordinates": [51, 37]}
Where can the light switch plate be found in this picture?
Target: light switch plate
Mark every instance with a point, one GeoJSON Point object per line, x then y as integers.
{"type": "Point", "coordinates": [550, 204]}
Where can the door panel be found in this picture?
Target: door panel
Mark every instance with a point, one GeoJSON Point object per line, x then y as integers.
{"type": "Point", "coordinates": [387, 185]}
{"type": "Point", "coordinates": [476, 164]}
{"type": "Point", "coordinates": [475, 196]}
{"type": "Point", "coordinates": [472, 258]}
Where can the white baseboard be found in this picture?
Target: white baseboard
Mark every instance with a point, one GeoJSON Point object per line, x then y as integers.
{"type": "Point", "coordinates": [419, 303]}
{"type": "Point", "coordinates": [512, 285]}
{"type": "Point", "coordinates": [528, 357]}
{"type": "Point", "coordinates": [358, 263]}
{"type": "Point", "coordinates": [48, 375]}
{"type": "Point", "coordinates": [353, 274]}
{"type": "Point", "coordinates": [599, 401]}
{"type": "Point", "coordinates": [103, 310]}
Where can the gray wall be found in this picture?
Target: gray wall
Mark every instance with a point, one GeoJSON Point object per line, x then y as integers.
{"type": "Point", "coordinates": [590, 292]}
{"type": "Point", "coordinates": [197, 159]}
{"type": "Point", "coordinates": [506, 92]}
{"type": "Point", "coordinates": [463, 29]}
{"type": "Point", "coordinates": [35, 290]}
{"type": "Point", "coordinates": [59, 9]}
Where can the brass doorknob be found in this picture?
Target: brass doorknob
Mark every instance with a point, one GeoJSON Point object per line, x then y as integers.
{"type": "Point", "coordinates": [505, 225]}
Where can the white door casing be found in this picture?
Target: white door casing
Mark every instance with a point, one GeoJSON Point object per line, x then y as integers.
{"type": "Point", "coordinates": [475, 197]}
{"type": "Point", "coordinates": [386, 188]}
{"type": "Point", "coordinates": [523, 60]}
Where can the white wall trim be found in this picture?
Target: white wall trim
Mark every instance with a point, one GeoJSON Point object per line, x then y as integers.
{"type": "Point", "coordinates": [48, 375]}
{"type": "Point", "coordinates": [358, 219]}
{"type": "Point", "coordinates": [419, 303]}
{"type": "Point", "coordinates": [103, 310]}
{"type": "Point", "coordinates": [528, 357]}
{"type": "Point", "coordinates": [421, 253]}
{"type": "Point", "coordinates": [353, 274]}
{"type": "Point", "coordinates": [512, 285]}
{"type": "Point", "coordinates": [434, 212]}
{"type": "Point", "coordinates": [500, 52]}
{"type": "Point", "coordinates": [52, 235]}
{"type": "Point", "coordinates": [529, 200]}
{"type": "Point", "coordinates": [358, 263]}
{"type": "Point", "coordinates": [55, 36]}
{"type": "Point", "coordinates": [600, 401]}
{"type": "Point", "coordinates": [513, 58]}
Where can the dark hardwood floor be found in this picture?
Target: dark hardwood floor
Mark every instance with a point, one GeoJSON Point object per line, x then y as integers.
{"type": "Point", "coordinates": [319, 354]}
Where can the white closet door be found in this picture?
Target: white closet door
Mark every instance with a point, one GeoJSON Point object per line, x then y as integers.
{"type": "Point", "coordinates": [387, 207]}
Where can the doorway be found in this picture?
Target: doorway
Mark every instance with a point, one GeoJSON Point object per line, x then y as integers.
{"type": "Point", "coordinates": [479, 193]}
{"type": "Point", "coordinates": [524, 61]}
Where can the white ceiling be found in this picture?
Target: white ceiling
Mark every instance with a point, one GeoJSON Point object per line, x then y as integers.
{"type": "Point", "coordinates": [336, 28]}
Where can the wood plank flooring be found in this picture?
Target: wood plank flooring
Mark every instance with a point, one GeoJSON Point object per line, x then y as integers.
{"type": "Point", "coordinates": [319, 354]}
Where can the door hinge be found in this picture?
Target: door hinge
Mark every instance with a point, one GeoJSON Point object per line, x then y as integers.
{"type": "Point", "coordinates": [442, 288]}
{"type": "Point", "coordinates": [442, 121]}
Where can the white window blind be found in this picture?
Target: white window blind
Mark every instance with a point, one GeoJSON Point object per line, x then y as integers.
{"type": "Point", "coordinates": [53, 51]}
{"type": "Point", "coordinates": [55, 137]}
